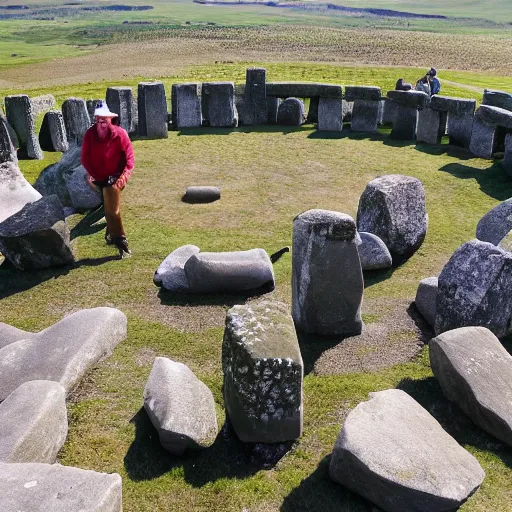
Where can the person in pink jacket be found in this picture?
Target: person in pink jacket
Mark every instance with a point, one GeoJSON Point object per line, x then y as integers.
{"type": "Point", "coordinates": [107, 155]}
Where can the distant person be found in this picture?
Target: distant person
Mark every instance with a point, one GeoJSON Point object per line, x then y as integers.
{"type": "Point", "coordinates": [107, 155]}
{"type": "Point", "coordinates": [435, 84]}
{"type": "Point", "coordinates": [402, 86]}
{"type": "Point", "coordinates": [423, 84]}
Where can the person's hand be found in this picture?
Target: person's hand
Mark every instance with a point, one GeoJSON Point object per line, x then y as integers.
{"type": "Point", "coordinates": [89, 179]}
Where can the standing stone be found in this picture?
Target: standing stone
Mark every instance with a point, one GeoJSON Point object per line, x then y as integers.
{"type": "Point", "coordinates": [475, 371]}
{"type": "Point", "coordinates": [52, 487]}
{"type": "Point", "coordinates": [256, 95]}
{"type": "Point", "coordinates": [37, 236]}
{"type": "Point", "coordinates": [272, 109]}
{"type": "Point", "coordinates": [393, 208]}
{"type": "Point", "coordinates": [330, 112]}
{"type": "Point", "coordinates": [76, 119]}
{"type": "Point", "coordinates": [460, 117]}
{"type": "Point", "coordinates": [152, 110]}
{"type": "Point", "coordinates": [327, 280]}
{"type": "Point", "coordinates": [20, 116]}
{"type": "Point", "coordinates": [52, 135]}
{"type": "Point", "coordinates": [431, 126]}
{"type": "Point", "coordinates": [42, 104]}
{"type": "Point", "coordinates": [314, 104]}
{"type": "Point", "coordinates": [263, 373]}
{"type": "Point", "coordinates": [7, 149]}
{"type": "Point", "coordinates": [426, 299]}
{"type": "Point", "coordinates": [291, 112]}
{"type": "Point", "coordinates": [218, 103]}
{"type": "Point", "coordinates": [474, 289]}
{"type": "Point", "coordinates": [15, 190]}
{"type": "Point", "coordinates": [186, 106]}
{"type": "Point", "coordinates": [507, 158]}
{"type": "Point", "coordinates": [389, 111]}
{"type": "Point", "coordinates": [394, 453]}
{"type": "Point", "coordinates": [496, 223]}
{"type": "Point", "coordinates": [33, 422]}
{"type": "Point", "coordinates": [120, 101]}
{"type": "Point", "coordinates": [170, 274]}
{"type": "Point", "coordinates": [373, 252]}
{"type": "Point", "coordinates": [365, 115]}
{"type": "Point", "coordinates": [484, 134]}
{"type": "Point", "coordinates": [91, 107]}
{"type": "Point", "coordinates": [497, 99]}
{"type": "Point", "coordinates": [405, 122]}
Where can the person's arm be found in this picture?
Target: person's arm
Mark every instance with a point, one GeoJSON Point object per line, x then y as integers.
{"type": "Point", "coordinates": [127, 147]}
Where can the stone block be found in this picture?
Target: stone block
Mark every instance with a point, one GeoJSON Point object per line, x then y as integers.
{"type": "Point", "coordinates": [170, 274]}
{"type": "Point", "coordinates": [457, 106]}
{"type": "Point", "coordinates": [91, 107]}
{"type": "Point", "coordinates": [495, 116]}
{"type": "Point", "coordinates": [303, 90]}
{"type": "Point", "coordinates": [120, 101]}
{"type": "Point", "coordinates": [312, 116]}
{"type": "Point", "coordinates": [291, 112]}
{"type": "Point", "coordinates": [330, 112]}
{"type": "Point", "coordinates": [373, 252]}
{"type": "Point", "coordinates": [186, 105]}
{"type": "Point", "coordinates": [76, 119]}
{"type": "Point", "coordinates": [389, 111]}
{"type": "Point", "coordinates": [426, 299]}
{"type": "Point", "coordinates": [256, 96]}
{"type": "Point", "coordinates": [431, 126]}
{"type": "Point", "coordinates": [52, 135]}
{"type": "Point", "coordinates": [365, 115]}
{"type": "Point", "coordinates": [218, 104]}
{"type": "Point", "coordinates": [483, 138]}
{"type": "Point", "coordinates": [152, 110]}
{"type": "Point", "coordinates": [459, 129]}
{"type": "Point", "coordinates": [499, 99]}
{"type": "Point", "coordinates": [410, 99]}
{"type": "Point", "coordinates": [272, 109]}
{"type": "Point", "coordinates": [201, 194]}
{"type": "Point", "coordinates": [405, 121]}
{"type": "Point", "coordinates": [42, 104]}
{"type": "Point", "coordinates": [496, 223]}
{"type": "Point", "coordinates": [7, 150]}
{"type": "Point", "coordinates": [363, 93]}
{"type": "Point", "coordinates": [346, 108]}
{"type": "Point", "coordinates": [507, 158]}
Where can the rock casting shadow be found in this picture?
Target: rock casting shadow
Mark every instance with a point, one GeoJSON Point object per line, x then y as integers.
{"type": "Point", "coordinates": [318, 493]}
{"type": "Point", "coordinates": [89, 223]}
{"type": "Point", "coordinates": [312, 346]}
{"type": "Point", "coordinates": [228, 457]}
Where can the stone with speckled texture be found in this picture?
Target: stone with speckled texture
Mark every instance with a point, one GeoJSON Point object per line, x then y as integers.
{"type": "Point", "coordinates": [426, 299]}
{"type": "Point", "coordinates": [496, 223]}
{"type": "Point", "coordinates": [170, 274]}
{"type": "Point", "coordinates": [373, 252]}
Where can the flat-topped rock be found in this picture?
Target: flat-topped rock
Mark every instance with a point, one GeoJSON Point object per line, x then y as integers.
{"type": "Point", "coordinates": [218, 104]}
{"type": "Point", "coordinates": [263, 373]}
{"type": "Point", "coordinates": [201, 194]}
{"type": "Point", "coordinates": [494, 116]}
{"type": "Point", "coordinates": [33, 422]}
{"type": "Point", "coordinates": [394, 453]}
{"type": "Point", "coordinates": [76, 119]}
{"type": "Point", "coordinates": [152, 110]}
{"type": "Point", "coordinates": [63, 352]}
{"type": "Point", "coordinates": [180, 407]}
{"type": "Point", "coordinates": [499, 99]}
{"type": "Point", "coordinates": [426, 299]}
{"type": "Point", "coordinates": [458, 106]}
{"type": "Point", "coordinates": [411, 99]}
{"type": "Point", "coordinates": [373, 252]}
{"type": "Point", "coordinates": [362, 92]}
{"type": "Point", "coordinates": [171, 272]}
{"type": "Point", "coordinates": [186, 105]}
{"type": "Point", "coordinates": [303, 90]}
{"type": "Point", "coordinates": [46, 487]}
{"type": "Point", "coordinates": [496, 223]}
{"type": "Point", "coordinates": [475, 371]}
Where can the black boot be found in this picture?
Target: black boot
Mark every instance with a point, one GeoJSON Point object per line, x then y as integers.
{"type": "Point", "coordinates": [122, 244]}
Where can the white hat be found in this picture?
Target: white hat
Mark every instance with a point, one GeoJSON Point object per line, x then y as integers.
{"type": "Point", "coordinates": [102, 110]}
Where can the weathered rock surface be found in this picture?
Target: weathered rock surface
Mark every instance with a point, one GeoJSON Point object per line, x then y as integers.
{"type": "Point", "coordinates": [76, 119]}
{"type": "Point", "coordinates": [37, 236]}
{"type": "Point", "coordinates": [395, 454]}
{"type": "Point", "coordinates": [484, 139]}
{"type": "Point", "coordinates": [15, 190]}
{"type": "Point", "coordinates": [303, 90]}
{"type": "Point", "coordinates": [255, 96]}
{"type": "Point", "coordinates": [45, 487]}
{"type": "Point", "coordinates": [327, 280]}
{"type": "Point", "coordinates": [405, 121]}
{"type": "Point", "coordinates": [458, 106]}
{"type": "Point", "coordinates": [63, 352]}
{"type": "Point", "coordinates": [201, 194]}
{"type": "Point", "coordinates": [365, 115]}
{"type": "Point", "coordinates": [120, 101]}
{"type": "Point", "coordinates": [497, 99]}
{"type": "Point", "coordinates": [431, 126]}
{"type": "Point", "coordinates": [180, 407]}
{"type": "Point", "coordinates": [426, 299]}
{"type": "Point", "coordinates": [152, 110]}
{"type": "Point", "coordinates": [410, 99]}
{"type": "Point", "coordinates": [8, 152]}
{"type": "Point", "coordinates": [186, 105]}
{"type": "Point", "coordinates": [473, 289]}
{"type": "Point", "coordinates": [263, 373]}
{"type": "Point", "coordinates": [291, 112]}
{"type": "Point", "coordinates": [171, 272]}
{"type": "Point", "coordinates": [10, 334]}
{"type": "Point", "coordinates": [52, 135]}
{"type": "Point", "coordinates": [506, 242]}
{"type": "Point", "coordinates": [475, 371]}
{"type": "Point", "coordinates": [42, 103]}
{"type": "Point", "coordinates": [496, 223]}
{"type": "Point", "coordinates": [330, 115]}
{"type": "Point", "coordinates": [373, 252]}
{"type": "Point", "coordinates": [393, 208]}
{"type": "Point", "coordinates": [209, 272]}
{"type": "Point", "coordinates": [33, 422]}
{"type": "Point", "coordinates": [495, 116]}
{"type": "Point", "coordinates": [362, 92]}
{"type": "Point", "coordinates": [218, 104]}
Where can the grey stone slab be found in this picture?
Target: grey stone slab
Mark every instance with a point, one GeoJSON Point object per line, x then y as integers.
{"type": "Point", "coordinates": [15, 190]}
{"type": "Point", "coordinates": [431, 126]}
{"type": "Point", "coordinates": [473, 289]}
{"type": "Point", "coordinates": [256, 95]}
{"type": "Point", "coordinates": [91, 107]}
{"type": "Point", "coordinates": [291, 112]}
{"type": "Point", "coordinates": [330, 113]}
{"type": "Point", "coordinates": [170, 274]}
{"type": "Point", "coordinates": [63, 352]}
{"type": "Point", "coordinates": [389, 111]}
{"type": "Point", "coordinates": [410, 99]}
{"type": "Point", "coordinates": [76, 119]}
{"type": "Point", "coordinates": [494, 116]}
{"type": "Point", "coordinates": [507, 158]}
{"type": "Point", "coordinates": [186, 105]}
{"type": "Point", "coordinates": [426, 299]}
{"type": "Point", "coordinates": [405, 121]}
{"type": "Point", "coordinates": [457, 106]}
{"type": "Point", "coordinates": [496, 223]}
{"type": "Point", "coordinates": [218, 104]}
{"type": "Point", "coordinates": [303, 90]}
{"type": "Point", "coordinates": [393, 208]}
{"type": "Point", "coordinates": [180, 406]}
{"type": "Point", "coordinates": [373, 252]}
{"type": "Point", "coordinates": [475, 371]}
{"type": "Point", "coordinates": [52, 135]}
{"type": "Point", "coordinates": [120, 101]}
{"type": "Point", "coordinates": [42, 104]}
{"type": "Point", "coordinates": [201, 194]}
{"type": "Point", "coordinates": [83, 197]}
{"type": "Point", "coordinates": [459, 129]}
{"type": "Point", "coordinates": [394, 453]}
{"type": "Point", "coordinates": [36, 487]}
{"type": "Point", "coordinates": [263, 373]}
{"type": "Point", "coordinates": [483, 139]}
{"type": "Point", "coordinates": [210, 272]}
{"type": "Point", "coordinates": [362, 92]}
{"type": "Point", "coordinates": [365, 116]}
{"type": "Point", "coordinates": [7, 150]}
{"type": "Point", "coordinates": [152, 110]}
{"type": "Point", "coordinates": [33, 422]}
{"type": "Point", "coordinates": [496, 98]}
{"type": "Point", "coordinates": [327, 280]}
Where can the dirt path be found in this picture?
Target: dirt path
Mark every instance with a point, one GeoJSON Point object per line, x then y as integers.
{"type": "Point", "coordinates": [464, 86]}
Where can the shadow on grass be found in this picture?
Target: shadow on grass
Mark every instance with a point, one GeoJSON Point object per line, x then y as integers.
{"type": "Point", "coordinates": [428, 394]}
{"type": "Point", "coordinates": [312, 346]}
{"type": "Point", "coordinates": [88, 224]}
{"type": "Point", "coordinates": [318, 493]}
{"type": "Point", "coordinates": [208, 130]}
{"type": "Point", "coordinates": [445, 149]}
{"type": "Point", "coordinates": [493, 181]}
{"type": "Point", "coordinates": [228, 457]}
{"type": "Point", "coordinates": [426, 331]}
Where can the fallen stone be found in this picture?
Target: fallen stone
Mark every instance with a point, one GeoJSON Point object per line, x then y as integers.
{"type": "Point", "coordinates": [473, 289]}
{"type": "Point", "coordinates": [263, 373]}
{"type": "Point", "coordinates": [15, 190]}
{"type": "Point", "coordinates": [475, 371]}
{"type": "Point", "coordinates": [171, 272]}
{"type": "Point", "coordinates": [52, 135]}
{"type": "Point", "coordinates": [33, 422]}
{"type": "Point", "coordinates": [330, 113]}
{"type": "Point", "coordinates": [152, 110]}
{"type": "Point", "coordinates": [496, 223]}
{"type": "Point", "coordinates": [201, 194]}
{"type": "Point", "coordinates": [497, 99]}
{"type": "Point", "coordinates": [373, 252]}
{"type": "Point", "coordinates": [365, 116]}
{"type": "Point", "coordinates": [120, 101]}
{"type": "Point", "coordinates": [291, 112]}
{"type": "Point", "coordinates": [45, 487]}
{"type": "Point", "coordinates": [395, 454]}
{"type": "Point", "coordinates": [42, 104]}
{"type": "Point", "coordinates": [393, 208]}
{"type": "Point", "coordinates": [63, 352]}
{"type": "Point", "coordinates": [327, 280]}
{"type": "Point", "coordinates": [218, 104]}
{"type": "Point", "coordinates": [363, 93]}
{"type": "Point", "coordinates": [255, 96]}
{"type": "Point", "coordinates": [410, 99]}
{"type": "Point", "coordinates": [303, 90]}
{"type": "Point", "coordinates": [7, 150]}
{"type": "Point", "coordinates": [426, 299]}
{"type": "Point", "coordinates": [431, 126]}
{"type": "Point", "coordinates": [186, 106]}
{"type": "Point", "coordinates": [180, 407]}
{"type": "Point", "coordinates": [210, 272]}
{"type": "Point", "coordinates": [76, 119]}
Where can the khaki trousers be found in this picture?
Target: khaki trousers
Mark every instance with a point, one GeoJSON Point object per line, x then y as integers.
{"type": "Point", "coordinates": [112, 203]}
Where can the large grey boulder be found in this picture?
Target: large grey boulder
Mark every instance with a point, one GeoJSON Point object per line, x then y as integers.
{"type": "Point", "coordinates": [15, 190]}
{"type": "Point", "coordinates": [263, 373]}
{"type": "Point", "coordinates": [496, 223]}
{"type": "Point", "coordinates": [373, 252]}
{"type": "Point", "coordinates": [218, 104]}
{"type": "Point", "coordinates": [36, 487]}
{"type": "Point", "coordinates": [186, 106]}
{"type": "Point", "coordinates": [170, 274]}
{"type": "Point", "coordinates": [393, 208]}
{"type": "Point", "coordinates": [152, 110]}
{"type": "Point", "coordinates": [8, 152]}
{"type": "Point", "coordinates": [238, 271]}
{"type": "Point", "coordinates": [497, 99]}
{"type": "Point", "coordinates": [201, 194]}
{"type": "Point", "coordinates": [63, 352]}
{"type": "Point", "coordinates": [33, 422]}
{"type": "Point", "coordinates": [327, 280]}
{"type": "Point", "coordinates": [52, 135]}
{"type": "Point", "coordinates": [395, 454]}
{"type": "Point", "coordinates": [474, 289]}
{"type": "Point", "coordinates": [495, 116]}
{"type": "Point", "coordinates": [120, 101]}
{"type": "Point", "coordinates": [37, 236]}
{"type": "Point", "coordinates": [426, 299]}
{"type": "Point", "coordinates": [180, 407]}
{"type": "Point", "coordinates": [83, 197]}
{"type": "Point", "coordinates": [484, 136]}
{"type": "Point", "coordinates": [330, 115]}
{"type": "Point", "coordinates": [76, 119]}
{"type": "Point", "coordinates": [291, 112]}
{"type": "Point", "coordinates": [475, 371]}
